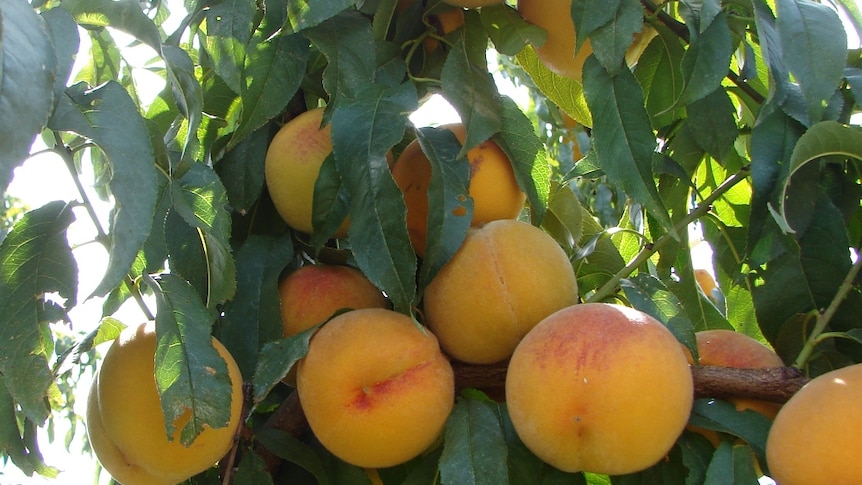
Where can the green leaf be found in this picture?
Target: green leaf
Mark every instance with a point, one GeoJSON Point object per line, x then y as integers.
{"type": "Point", "coordinates": [590, 15]}
{"type": "Point", "coordinates": [706, 60]}
{"type": "Point", "coordinates": [347, 41]}
{"type": "Point", "coordinates": [814, 49]}
{"type": "Point", "coordinates": [229, 26]}
{"type": "Point", "coordinates": [649, 295]}
{"type": "Point", "coordinates": [28, 65]}
{"type": "Point", "coordinates": [722, 416]}
{"type": "Point", "coordinates": [274, 69]}
{"type": "Point", "coordinates": [363, 131]}
{"type": "Point", "coordinates": [241, 170]}
{"type": "Point", "coordinates": [731, 464]}
{"type": "Point", "coordinates": [471, 90]}
{"type": "Point", "coordinates": [611, 41]}
{"type": "Point", "coordinates": [474, 446]}
{"type": "Point", "coordinates": [18, 440]}
{"type": "Point", "coordinates": [188, 95]}
{"type": "Point", "coordinates": [277, 358]}
{"type": "Point", "coordinates": [823, 139]}
{"type": "Point", "coordinates": [191, 376]}
{"type": "Point", "coordinates": [303, 14]}
{"type": "Point", "coordinates": [529, 160]}
{"type": "Point", "coordinates": [66, 40]}
{"type": "Point", "coordinates": [509, 31]}
{"type": "Point", "coordinates": [622, 136]}
{"type": "Point", "coordinates": [37, 274]}
{"type": "Point", "coordinates": [125, 15]}
{"type": "Point", "coordinates": [714, 117]}
{"type": "Point", "coordinates": [295, 451]}
{"type": "Point", "coordinates": [252, 469]}
{"type": "Point", "coordinates": [330, 204]}
{"type": "Point", "coordinates": [565, 93]}
{"type": "Point", "coordinates": [253, 316]}
{"type": "Point", "coordinates": [108, 116]}
{"type": "Point", "coordinates": [450, 207]}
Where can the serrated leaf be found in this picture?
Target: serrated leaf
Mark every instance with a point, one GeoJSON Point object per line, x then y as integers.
{"type": "Point", "coordinates": [622, 137]}
{"type": "Point", "coordinates": [191, 376]}
{"type": "Point", "coordinates": [731, 464]}
{"type": "Point", "coordinates": [565, 93]}
{"type": "Point", "coordinates": [125, 15]}
{"type": "Point", "coordinates": [274, 69]}
{"type": "Point", "coordinates": [649, 295]}
{"type": "Point", "coordinates": [611, 40]}
{"type": "Point", "coordinates": [295, 451]}
{"type": "Point", "coordinates": [707, 60]}
{"type": "Point", "coordinates": [229, 26]}
{"type": "Point", "coordinates": [64, 36]}
{"type": "Point", "coordinates": [823, 139]}
{"type": "Point", "coordinates": [659, 75]}
{"type": "Point", "coordinates": [108, 116]}
{"type": "Point", "coordinates": [715, 122]}
{"type": "Point", "coordinates": [530, 162]}
{"type": "Point", "coordinates": [474, 446]}
{"type": "Point", "coordinates": [347, 41]}
{"type": "Point", "coordinates": [253, 316]}
{"type": "Point", "coordinates": [37, 271]}
{"type": "Point", "coordinates": [188, 96]}
{"type": "Point", "coordinates": [241, 170]}
{"type": "Point", "coordinates": [277, 358]}
{"type": "Point", "coordinates": [814, 47]}
{"type": "Point", "coordinates": [303, 14]}
{"type": "Point", "coordinates": [589, 15]}
{"type": "Point", "coordinates": [450, 207]}
{"type": "Point", "coordinates": [470, 88]}
{"type": "Point", "coordinates": [28, 65]}
{"type": "Point", "coordinates": [330, 204]}
{"type": "Point", "coordinates": [718, 415]}
{"type": "Point", "coordinates": [363, 131]}
{"type": "Point", "coordinates": [509, 31]}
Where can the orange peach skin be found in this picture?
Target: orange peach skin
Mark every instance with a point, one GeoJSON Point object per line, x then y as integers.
{"type": "Point", "coordinates": [493, 187]}
{"type": "Point", "coordinates": [505, 278]}
{"type": "Point", "coordinates": [375, 388]}
{"type": "Point", "coordinates": [599, 388]}
{"type": "Point", "coordinates": [815, 438]}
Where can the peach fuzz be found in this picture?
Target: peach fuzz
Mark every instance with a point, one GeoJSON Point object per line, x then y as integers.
{"type": "Point", "coordinates": [506, 277]}
{"type": "Point", "coordinates": [126, 425]}
{"type": "Point", "coordinates": [375, 388]}
{"type": "Point", "coordinates": [493, 187]}
{"type": "Point", "coordinates": [292, 165]}
{"type": "Point", "coordinates": [599, 388]}
{"type": "Point", "coordinates": [313, 293]}
{"type": "Point", "coordinates": [815, 438]}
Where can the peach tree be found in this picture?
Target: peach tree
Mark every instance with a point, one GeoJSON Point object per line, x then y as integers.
{"type": "Point", "coordinates": [734, 124]}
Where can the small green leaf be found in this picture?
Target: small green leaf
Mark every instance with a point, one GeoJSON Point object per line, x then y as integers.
{"type": "Point", "coordinates": [125, 15]}
{"type": "Point", "coordinates": [190, 374]}
{"type": "Point", "coordinates": [330, 204]}
{"type": "Point", "coordinates": [252, 469]}
{"type": "Point", "coordinates": [20, 444]}
{"type": "Point", "coordinates": [229, 26]}
{"type": "Point", "coordinates": [706, 60]}
{"type": "Point", "coordinates": [814, 46]}
{"type": "Point", "coordinates": [659, 75]}
{"type": "Point", "coordinates": [303, 14]}
{"type": "Point", "coordinates": [715, 122]}
{"type": "Point", "coordinates": [649, 295]}
{"type": "Point", "coordinates": [732, 464]}
{"type": "Point", "coordinates": [66, 40]}
{"type": "Point", "coordinates": [363, 131]}
{"type": "Point", "coordinates": [611, 40]}
{"type": "Point", "coordinates": [37, 274]}
{"type": "Point", "coordinates": [565, 93]}
{"type": "Point", "coordinates": [253, 316]}
{"type": "Point", "coordinates": [295, 451]}
{"type": "Point", "coordinates": [241, 170]}
{"type": "Point", "coordinates": [718, 415]}
{"type": "Point", "coordinates": [509, 31]}
{"type": "Point", "coordinates": [277, 358]}
{"type": "Point", "coordinates": [28, 65]}
{"type": "Point", "coordinates": [474, 445]}
{"type": "Point", "coordinates": [622, 136]}
{"type": "Point", "coordinates": [108, 116]}
{"type": "Point", "coordinates": [589, 15]}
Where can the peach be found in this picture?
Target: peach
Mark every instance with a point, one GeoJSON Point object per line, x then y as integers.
{"type": "Point", "coordinates": [506, 277]}
{"type": "Point", "coordinates": [815, 437]}
{"type": "Point", "coordinates": [493, 187]}
{"type": "Point", "coordinates": [313, 293]}
{"type": "Point", "coordinates": [558, 51]}
{"type": "Point", "coordinates": [376, 388]}
{"type": "Point", "coordinates": [126, 425]}
{"type": "Point", "coordinates": [292, 165]}
{"type": "Point", "coordinates": [599, 388]}
{"type": "Point", "coordinates": [705, 281]}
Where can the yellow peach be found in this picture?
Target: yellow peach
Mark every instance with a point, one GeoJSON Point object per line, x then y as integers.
{"type": "Point", "coordinates": [375, 387]}
{"type": "Point", "coordinates": [506, 277]}
{"type": "Point", "coordinates": [599, 388]}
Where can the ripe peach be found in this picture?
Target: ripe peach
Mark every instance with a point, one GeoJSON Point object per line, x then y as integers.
{"type": "Point", "coordinates": [506, 277]}
{"type": "Point", "coordinates": [706, 282]}
{"type": "Point", "coordinates": [558, 51]}
{"type": "Point", "coordinates": [375, 388]}
{"type": "Point", "coordinates": [600, 388]}
{"type": "Point", "coordinates": [126, 425]}
{"type": "Point", "coordinates": [493, 187]}
{"type": "Point", "coordinates": [292, 165]}
{"type": "Point", "coordinates": [815, 437]}
{"type": "Point", "coordinates": [313, 293]}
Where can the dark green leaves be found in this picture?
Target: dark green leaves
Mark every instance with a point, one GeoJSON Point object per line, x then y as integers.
{"type": "Point", "coordinates": [38, 282]}
{"type": "Point", "coordinates": [108, 116]}
{"type": "Point", "coordinates": [474, 446]}
{"type": "Point", "coordinates": [28, 65]}
{"type": "Point", "coordinates": [190, 374]}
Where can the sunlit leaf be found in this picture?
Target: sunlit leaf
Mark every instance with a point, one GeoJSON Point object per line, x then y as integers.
{"type": "Point", "coordinates": [229, 27]}
{"type": "Point", "coordinates": [277, 358]}
{"type": "Point", "coordinates": [302, 14]}
{"type": "Point", "coordinates": [509, 31]}
{"type": "Point", "coordinates": [649, 295]}
{"type": "Point", "coordinates": [565, 93]}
